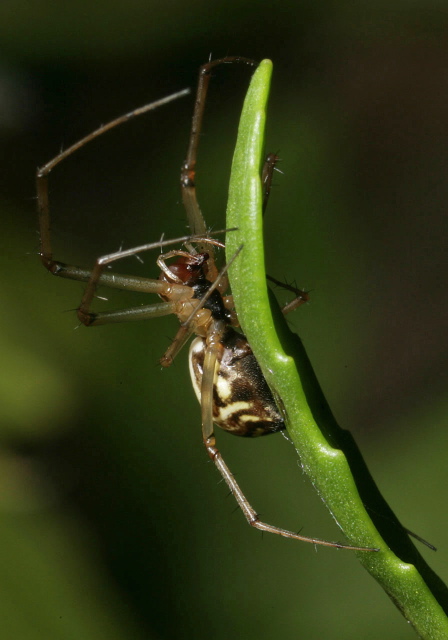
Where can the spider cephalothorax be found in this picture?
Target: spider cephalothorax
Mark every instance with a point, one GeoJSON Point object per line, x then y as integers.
{"type": "Point", "coordinates": [189, 270]}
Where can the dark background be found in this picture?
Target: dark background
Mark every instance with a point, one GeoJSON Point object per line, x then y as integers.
{"type": "Point", "coordinates": [112, 523]}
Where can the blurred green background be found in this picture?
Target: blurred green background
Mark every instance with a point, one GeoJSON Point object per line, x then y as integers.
{"type": "Point", "coordinates": [112, 522]}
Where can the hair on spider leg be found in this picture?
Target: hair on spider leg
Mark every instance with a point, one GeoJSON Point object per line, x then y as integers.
{"type": "Point", "coordinates": [289, 287]}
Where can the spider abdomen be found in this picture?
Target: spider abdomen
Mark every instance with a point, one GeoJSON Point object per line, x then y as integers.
{"type": "Point", "coordinates": [242, 401]}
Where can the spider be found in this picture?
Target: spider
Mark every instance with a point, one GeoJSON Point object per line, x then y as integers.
{"type": "Point", "coordinates": [225, 374]}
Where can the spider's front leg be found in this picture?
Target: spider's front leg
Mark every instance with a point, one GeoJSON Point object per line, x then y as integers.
{"type": "Point", "coordinates": [195, 218]}
{"type": "Point", "coordinates": [96, 276]}
{"type": "Point", "coordinates": [42, 175]}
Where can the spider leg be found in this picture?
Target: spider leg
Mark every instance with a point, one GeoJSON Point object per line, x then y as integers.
{"type": "Point", "coordinates": [211, 363]}
{"type": "Point", "coordinates": [96, 277]}
{"type": "Point", "coordinates": [301, 296]}
{"type": "Point", "coordinates": [43, 173]}
{"type": "Point", "coordinates": [300, 299]}
{"type": "Point", "coordinates": [188, 173]}
{"type": "Point", "coordinates": [183, 334]}
{"type": "Point", "coordinates": [251, 515]}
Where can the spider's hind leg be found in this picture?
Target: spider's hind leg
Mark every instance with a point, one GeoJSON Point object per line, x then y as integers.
{"type": "Point", "coordinates": [213, 352]}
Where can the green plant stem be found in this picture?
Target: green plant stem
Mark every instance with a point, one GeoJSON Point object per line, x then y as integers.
{"type": "Point", "coordinates": [327, 453]}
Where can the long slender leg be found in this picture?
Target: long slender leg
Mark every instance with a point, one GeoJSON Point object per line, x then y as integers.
{"type": "Point", "coordinates": [188, 173]}
{"type": "Point", "coordinates": [301, 296]}
{"type": "Point", "coordinates": [251, 515]}
{"type": "Point", "coordinates": [208, 378]}
{"type": "Point", "coordinates": [42, 174]}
